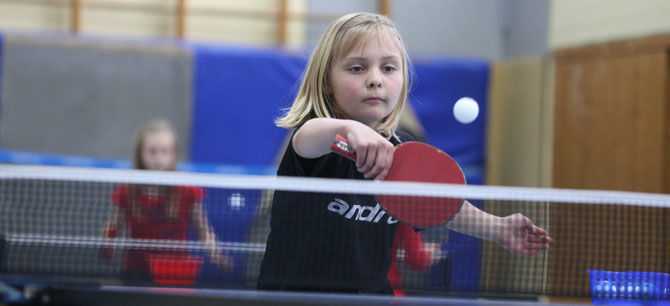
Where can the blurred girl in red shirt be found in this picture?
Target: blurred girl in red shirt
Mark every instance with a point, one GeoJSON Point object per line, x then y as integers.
{"type": "Point", "coordinates": [158, 212]}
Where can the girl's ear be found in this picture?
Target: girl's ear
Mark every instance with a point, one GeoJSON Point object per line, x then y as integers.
{"type": "Point", "coordinates": [328, 89]}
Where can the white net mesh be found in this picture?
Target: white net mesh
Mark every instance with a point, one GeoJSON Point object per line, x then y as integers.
{"type": "Point", "coordinates": [211, 230]}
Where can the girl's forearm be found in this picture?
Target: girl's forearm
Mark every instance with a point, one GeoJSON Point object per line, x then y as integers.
{"type": "Point", "coordinates": [314, 138]}
{"type": "Point", "coordinates": [472, 221]}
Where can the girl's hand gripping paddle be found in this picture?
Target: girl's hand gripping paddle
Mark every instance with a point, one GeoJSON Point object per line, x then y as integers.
{"type": "Point", "coordinates": [416, 162]}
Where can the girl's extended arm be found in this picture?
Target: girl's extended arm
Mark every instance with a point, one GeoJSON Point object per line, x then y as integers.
{"type": "Point", "coordinates": [206, 233]}
{"type": "Point", "coordinates": [515, 232]}
{"type": "Point", "coordinates": [113, 228]}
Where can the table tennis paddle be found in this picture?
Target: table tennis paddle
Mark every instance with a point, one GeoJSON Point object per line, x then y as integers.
{"type": "Point", "coordinates": [416, 162]}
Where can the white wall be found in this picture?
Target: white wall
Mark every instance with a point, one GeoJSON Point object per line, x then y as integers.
{"type": "Point", "coordinates": [526, 28]}
{"type": "Point", "coordinates": [336, 8]}
{"type": "Point", "coordinates": [580, 22]}
{"type": "Point", "coordinates": [470, 28]}
{"type": "Point", "coordinates": [253, 31]}
{"type": "Point", "coordinates": [155, 18]}
{"type": "Point", "coordinates": [15, 16]}
{"type": "Point", "coordinates": [488, 29]}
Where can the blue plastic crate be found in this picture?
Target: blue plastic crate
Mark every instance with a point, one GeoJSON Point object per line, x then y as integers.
{"type": "Point", "coordinates": [630, 287]}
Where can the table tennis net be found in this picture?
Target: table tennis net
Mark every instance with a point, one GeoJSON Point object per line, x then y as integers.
{"type": "Point", "coordinates": [55, 223]}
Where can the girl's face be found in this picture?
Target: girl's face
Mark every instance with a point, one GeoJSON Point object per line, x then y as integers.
{"type": "Point", "coordinates": [366, 83]}
{"type": "Point", "coordinates": [159, 151]}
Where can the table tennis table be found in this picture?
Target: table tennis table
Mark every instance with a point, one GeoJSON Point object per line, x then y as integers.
{"type": "Point", "coordinates": [19, 290]}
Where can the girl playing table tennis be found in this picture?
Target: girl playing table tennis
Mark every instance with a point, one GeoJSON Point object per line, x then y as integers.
{"type": "Point", "coordinates": [355, 85]}
{"type": "Point", "coordinates": [158, 211]}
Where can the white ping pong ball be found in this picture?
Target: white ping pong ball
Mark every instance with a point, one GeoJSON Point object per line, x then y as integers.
{"type": "Point", "coordinates": [466, 110]}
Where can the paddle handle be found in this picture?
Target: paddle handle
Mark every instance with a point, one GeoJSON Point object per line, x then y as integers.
{"type": "Point", "coordinates": [341, 146]}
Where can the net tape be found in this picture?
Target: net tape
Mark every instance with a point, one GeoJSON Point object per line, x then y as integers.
{"type": "Point", "coordinates": [257, 182]}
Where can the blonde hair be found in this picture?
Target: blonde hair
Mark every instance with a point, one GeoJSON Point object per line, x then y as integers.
{"type": "Point", "coordinates": [134, 190]}
{"type": "Point", "coordinates": [342, 36]}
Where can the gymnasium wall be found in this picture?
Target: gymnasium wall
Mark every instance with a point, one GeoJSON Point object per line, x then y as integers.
{"type": "Point", "coordinates": [470, 28]}
{"type": "Point", "coordinates": [574, 22]}
{"type": "Point", "coordinates": [249, 22]}
{"type": "Point", "coordinates": [519, 132]}
{"type": "Point", "coordinates": [238, 94]}
{"type": "Point", "coordinates": [85, 97]}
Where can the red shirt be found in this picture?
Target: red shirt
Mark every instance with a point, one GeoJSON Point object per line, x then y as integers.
{"type": "Point", "coordinates": [151, 220]}
{"type": "Point", "coordinates": [415, 255]}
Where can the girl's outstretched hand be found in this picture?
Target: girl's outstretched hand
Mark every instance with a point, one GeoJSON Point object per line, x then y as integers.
{"type": "Point", "coordinates": [520, 235]}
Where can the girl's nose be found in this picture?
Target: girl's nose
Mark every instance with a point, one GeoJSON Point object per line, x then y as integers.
{"type": "Point", "coordinates": [374, 80]}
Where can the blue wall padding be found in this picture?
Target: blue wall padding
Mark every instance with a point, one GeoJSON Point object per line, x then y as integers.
{"type": "Point", "coordinates": [438, 84]}
{"type": "Point", "coordinates": [231, 214]}
{"type": "Point", "coordinates": [1, 58]}
{"type": "Point", "coordinates": [237, 95]}
{"type": "Point", "coordinates": [32, 158]}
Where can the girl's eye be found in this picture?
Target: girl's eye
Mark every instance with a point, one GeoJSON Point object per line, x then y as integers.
{"type": "Point", "coordinates": [356, 69]}
{"type": "Point", "coordinates": [389, 68]}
